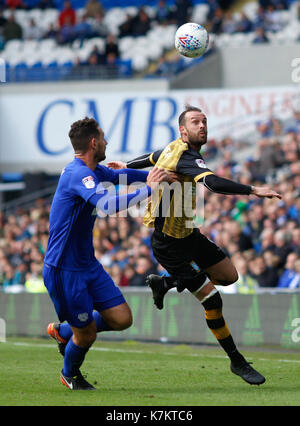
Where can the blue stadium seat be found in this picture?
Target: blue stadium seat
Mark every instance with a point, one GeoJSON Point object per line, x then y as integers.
{"type": "Point", "coordinates": [11, 177]}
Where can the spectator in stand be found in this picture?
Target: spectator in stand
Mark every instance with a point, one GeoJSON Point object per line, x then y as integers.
{"type": "Point", "coordinates": [144, 267]}
{"type": "Point", "coordinates": [82, 29]}
{"type": "Point", "coordinates": [8, 278]}
{"type": "Point", "coordinates": [228, 24]}
{"type": "Point", "coordinates": [296, 240]}
{"type": "Point", "coordinates": [141, 23]}
{"type": "Point", "coordinates": [289, 272]}
{"type": "Point", "coordinates": [100, 56]}
{"type": "Point", "coordinates": [12, 30]}
{"type": "Point", "coordinates": [260, 36]}
{"type": "Point", "coordinates": [20, 274]}
{"type": "Point", "coordinates": [52, 33]}
{"type": "Point", "coordinates": [213, 5]}
{"type": "Point", "coordinates": [245, 284]}
{"type": "Point", "coordinates": [282, 247]}
{"type": "Point", "coordinates": [216, 23]}
{"type": "Point", "coordinates": [94, 8]}
{"type": "Point", "coordinates": [15, 4]}
{"type": "Point", "coordinates": [244, 25]}
{"type": "Point", "coordinates": [67, 31]}
{"type": "Point", "coordinates": [99, 27]}
{"type": "Point", "coordinates": [32, 32]}
{"type": "Point", "coordinates": [273, 19]}
{"type": "Point", "coordinates": [46, 4]}
{"type": "Point", "coordinates": [67, 16]}
{"type": "Point", "coordinates": [34, 280]}
{"type": "Point", "coordinates": [259, 19]}
{"type": "Point", "coordinates": [126, 28]}
{"type": "Point", "coordinates": [265, 276]}
{"type": "Point", "coordinates": [183, 11]}
{"type": "Point", "coordinates": [269, 155]}
{"type": "Point", "coordinates": [164, 13]}
{"type": "Point", "coordinates": [112, 65]}
{"type": "Point", "coordinates": [168, 65]}
{"type": "Point", "coordinates": [237, 236]}
{"type": "Point", "coordinates": [3, 21]}
{"type": "Point", "coordinates": [112, 46]}
{"type": "Point", "coordinates": [267, 240]}
{"type": "Point", "coordinates": [295, 283]}
{"type": "Point", "coordinates": [280, 4]}
{"type": "Point", "coordinates": [128, 275]}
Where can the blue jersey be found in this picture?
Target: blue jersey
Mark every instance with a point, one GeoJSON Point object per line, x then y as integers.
{"type": "Point", "coordinates": [70, 244]}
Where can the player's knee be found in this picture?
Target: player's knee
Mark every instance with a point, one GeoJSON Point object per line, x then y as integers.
{"type": "Point", "coordinates": [192, 284]}
{"type": "Point", "coordinates": [228, 279]}
{"type": "Point", "coordinates": [86, 336]}
{"type": "Point", "coordinates": [123, 322]}
{"type": "Point", "coordinates": [126, 323]}
{"type": "Point", "coordinates": [85, 340]}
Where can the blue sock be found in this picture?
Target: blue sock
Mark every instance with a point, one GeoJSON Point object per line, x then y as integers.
{"type": "Point", "coordinates": [74, 357]}
{"type": "Point", "coordinates": [66, 332]}
{"type": "Point", "coordinates": [101, 324]}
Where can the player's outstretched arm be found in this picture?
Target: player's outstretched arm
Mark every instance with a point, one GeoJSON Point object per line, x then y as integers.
{"type": "Point", "coordinates": [228, 187]}
{"type": "Point", "coordinates": [262, 192]}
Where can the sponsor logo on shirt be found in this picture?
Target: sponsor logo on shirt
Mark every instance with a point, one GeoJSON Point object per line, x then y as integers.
{"type": "Point", "coordinates": [89, 182]}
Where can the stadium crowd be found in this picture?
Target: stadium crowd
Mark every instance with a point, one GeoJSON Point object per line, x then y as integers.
{"type": "Point", "coordinates": [90, 22]}
{"type": "Point", "coordinates": [262, 237]}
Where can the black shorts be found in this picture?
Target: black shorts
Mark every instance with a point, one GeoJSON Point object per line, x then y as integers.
{"type": "Point", "coordinates": [177, 255]}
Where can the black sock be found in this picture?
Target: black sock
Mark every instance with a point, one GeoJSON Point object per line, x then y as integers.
{"type": "Point", "coordinates": [230, 348]}
{"type": "Point", "coordinates": [170, 282]}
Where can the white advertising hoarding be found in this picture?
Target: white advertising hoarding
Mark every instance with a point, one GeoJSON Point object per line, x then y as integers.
{"type": "Point", "coordinates": [34, 127]}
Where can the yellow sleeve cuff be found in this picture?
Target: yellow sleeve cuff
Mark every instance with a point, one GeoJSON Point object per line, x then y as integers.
{"type": "Point", "coordinates": [151, 159]}
{"type": "Point", "coordinates": [202, 175]}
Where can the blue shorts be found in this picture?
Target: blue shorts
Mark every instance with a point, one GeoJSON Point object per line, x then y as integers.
{"type": "Point", "coordinates": [76, 293]}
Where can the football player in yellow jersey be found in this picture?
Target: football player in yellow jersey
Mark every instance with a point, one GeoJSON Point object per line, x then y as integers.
{"type": "Point", "coordinates": [178, 246]}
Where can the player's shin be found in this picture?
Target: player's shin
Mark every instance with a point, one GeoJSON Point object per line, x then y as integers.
{"type": "Point", "coordinates": [212, 303]}
{"type": "Point", "coordinates": [74, 357]}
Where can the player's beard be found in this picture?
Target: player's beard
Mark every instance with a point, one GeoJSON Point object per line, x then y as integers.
{"type": "Point", "coordinates": [197, 140]}
{"type": "Point", "coordinates": [100, 156]}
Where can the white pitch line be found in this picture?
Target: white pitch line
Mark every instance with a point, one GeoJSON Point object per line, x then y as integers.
{"type": "Point", "coordinates": [105, 349]}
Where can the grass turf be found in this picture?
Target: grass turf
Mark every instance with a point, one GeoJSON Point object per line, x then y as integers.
{"type": "Point", "coordinates": [137, 374]}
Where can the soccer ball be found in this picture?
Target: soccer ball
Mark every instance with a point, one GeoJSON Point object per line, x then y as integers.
{"type": "Point", "coordinates": [191, 40]}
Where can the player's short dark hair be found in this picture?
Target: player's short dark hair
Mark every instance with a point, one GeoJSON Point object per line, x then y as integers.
{"type": "Point", "coordinates": [188, 108]}
{"type": "Point", "coordinates": [81, 132]}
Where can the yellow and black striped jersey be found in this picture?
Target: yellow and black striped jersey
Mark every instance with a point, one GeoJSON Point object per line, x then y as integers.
{"type": "Point", "coordinates": [171, 208]}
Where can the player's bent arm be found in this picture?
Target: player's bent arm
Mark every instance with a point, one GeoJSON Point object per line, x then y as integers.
{"type": "Point", "coordinates": [109, 204]}
{"type": "Point", "coordinates": [130, 176]}
{"type": "Point", "coordinates": [144, 161]}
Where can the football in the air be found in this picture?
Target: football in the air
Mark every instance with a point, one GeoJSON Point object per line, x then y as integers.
{"type": "Point", "coordinates": [191, 40]}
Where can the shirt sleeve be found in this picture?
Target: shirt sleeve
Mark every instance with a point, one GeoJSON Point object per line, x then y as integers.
{"type": "Point", "coordinates": [146, 160]}
{"type": "Point", "coordinates": [106, 203]}
{"type": "Point", "coordinates": [192, 164]}
{"type": "Point", "coordinates": [83, 183]}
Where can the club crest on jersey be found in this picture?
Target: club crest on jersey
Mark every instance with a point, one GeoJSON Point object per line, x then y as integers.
{"type": "Point", "coordinates": [201, 163]}
{"type": "Point", "coordinates": [83, 317]}
{"type": "Point", "coordinates": [89, 182]}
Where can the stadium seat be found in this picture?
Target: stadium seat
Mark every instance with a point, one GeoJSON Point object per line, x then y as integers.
{"type": "Point", "coordinates": [200, 13]}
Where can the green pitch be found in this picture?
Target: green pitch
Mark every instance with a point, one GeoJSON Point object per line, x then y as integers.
{"type": "Point", "coordinates": [136, 374]}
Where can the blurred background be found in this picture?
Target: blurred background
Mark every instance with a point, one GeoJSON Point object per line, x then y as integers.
{"type": "Point", "coordinates": [115, 60]}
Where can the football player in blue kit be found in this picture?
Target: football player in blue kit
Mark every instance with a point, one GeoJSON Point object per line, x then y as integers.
{"type": "Point", "coordinates": [83, 293]}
